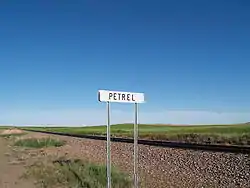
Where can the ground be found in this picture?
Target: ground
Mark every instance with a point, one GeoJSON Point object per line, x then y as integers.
{"type": "Point", "coordinates": [11, 169]}
{"type": "Point", "coordinates": [158, 167]}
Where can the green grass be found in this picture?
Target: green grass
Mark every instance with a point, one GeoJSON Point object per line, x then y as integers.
{"type": "Point", "coordinates": [39, 143]}
{"type": "Point", "coordinates": [238, 134]}
{"type": "Point", "coordinates": [5, 127]}
{"type": "Point", "coordinates": [74, 174]}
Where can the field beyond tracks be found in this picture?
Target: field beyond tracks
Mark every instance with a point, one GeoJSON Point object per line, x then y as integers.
{"type": "Point", "coordinates": [236, 134]}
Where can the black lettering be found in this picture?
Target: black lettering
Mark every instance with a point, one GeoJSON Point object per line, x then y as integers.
{"type": "Point", "coordinates": [133, 98]}
{"type": "Point", "coordinates": [128, 97]}
{"type": "Point", "coordinates": [119, 96]}
{"type": "Point", "coordinates": [115, 96]}
{"type": "Point", "coordinates": [123, 97]}
{"type": "Point", "coordinates": [110, 95]}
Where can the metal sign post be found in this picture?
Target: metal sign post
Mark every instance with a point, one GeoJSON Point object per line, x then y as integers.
{"type": "Point", "coordinates": [108, 148]}
{"type": "Point", "coordinates": [136, 147]}
{"type": "Point", "coordinates": [121, 97]}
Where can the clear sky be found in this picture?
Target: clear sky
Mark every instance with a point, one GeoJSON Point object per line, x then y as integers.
{"type": "Point", "coordinates": [191, 58]}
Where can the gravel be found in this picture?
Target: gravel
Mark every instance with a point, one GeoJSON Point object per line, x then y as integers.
{"type": "Point", "coordinates": [166, 167]}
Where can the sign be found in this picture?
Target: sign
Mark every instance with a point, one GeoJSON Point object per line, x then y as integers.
{"type": "Point", "coordinates": [120, 96]}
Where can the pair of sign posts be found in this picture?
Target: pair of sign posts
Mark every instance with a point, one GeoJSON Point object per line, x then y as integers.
{"type": "Point", "coordinates": [121, 97]}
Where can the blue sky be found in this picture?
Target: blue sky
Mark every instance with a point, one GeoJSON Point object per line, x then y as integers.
{"type": "Point", "coordinates": [190, 58]}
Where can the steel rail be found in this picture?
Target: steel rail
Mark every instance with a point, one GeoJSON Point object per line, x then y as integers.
{"type": "Point", "coordinates": [158, 143]}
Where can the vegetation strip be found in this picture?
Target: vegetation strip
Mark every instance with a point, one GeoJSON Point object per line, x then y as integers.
{"type": "Point", "coordinates": [237, 134]}
{"type": "Point", "coordinates": [74, 173]}
{"type": "Point", "coordinates": [214, 148]}
{"type": "Point", "coordinates": [12, 135]}
{"type": "Point", "coordinates": [39, 143]}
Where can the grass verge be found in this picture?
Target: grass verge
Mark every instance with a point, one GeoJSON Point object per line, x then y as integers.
{"type": "Point", "coordinates": [39, 143]}
{"type": "Point", "coordinates": [74, 174]}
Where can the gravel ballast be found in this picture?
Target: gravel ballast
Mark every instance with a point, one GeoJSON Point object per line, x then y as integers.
{"type": "Point", "coordinates": [166, 167]}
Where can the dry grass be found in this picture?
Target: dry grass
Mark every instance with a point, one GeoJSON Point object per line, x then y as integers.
{"type": "Point", "coordinates": [12, 133]}
{"type": "Point", "coordinates": [74, 174]}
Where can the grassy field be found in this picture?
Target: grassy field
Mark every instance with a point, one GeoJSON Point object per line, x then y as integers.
{"type": "Point", "coordinates": [214, 134]}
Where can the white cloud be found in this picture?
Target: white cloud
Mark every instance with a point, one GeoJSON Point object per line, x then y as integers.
{"type": "Point", "coordinates": [98, 117]}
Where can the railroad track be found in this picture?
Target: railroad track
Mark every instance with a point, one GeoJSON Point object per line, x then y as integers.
{"type": "Point", "coordinates": [158, 143]}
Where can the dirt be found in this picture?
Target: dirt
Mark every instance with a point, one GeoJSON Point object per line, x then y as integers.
{"type": "Point", "coordinates": [11, 131]}
{"type": "Point", "coordinates": [11, 168]}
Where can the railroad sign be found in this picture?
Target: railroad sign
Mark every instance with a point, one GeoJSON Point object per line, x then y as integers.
{"type": "Point", "coordinates": [121, 97]}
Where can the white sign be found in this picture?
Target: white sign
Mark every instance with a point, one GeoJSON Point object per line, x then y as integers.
{"type": "Point", "coordinates": [120, 96]}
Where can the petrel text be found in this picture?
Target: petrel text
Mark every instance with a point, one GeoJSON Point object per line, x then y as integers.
{"type": "Point", "coordinates": [120, 96]}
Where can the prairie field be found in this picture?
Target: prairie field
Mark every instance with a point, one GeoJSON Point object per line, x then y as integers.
{"type": "Point", "coordinates": [236, 134]}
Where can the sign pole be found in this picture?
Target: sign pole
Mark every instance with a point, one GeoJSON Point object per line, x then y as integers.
{"type": "Point", "coordinates": [136, 147]}
{"type": "Point", "coordinates": [108, 148]}
{"type": "Point", "coordinates": [122, 97]}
